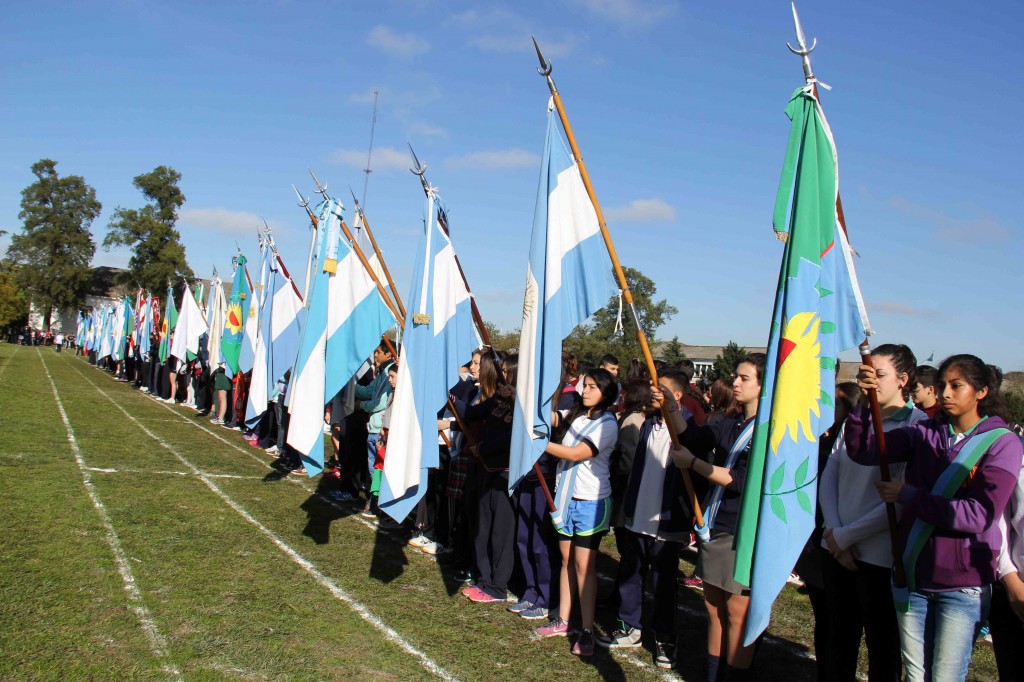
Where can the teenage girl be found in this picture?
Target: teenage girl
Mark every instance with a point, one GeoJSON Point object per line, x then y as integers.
{"type": "Point", "coordinates": [583, 497]}
{"type": "Point", "coordinates": [961, 469]}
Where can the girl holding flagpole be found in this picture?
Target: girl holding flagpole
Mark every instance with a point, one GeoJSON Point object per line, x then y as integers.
{"type": "Point", "coordinates": [961, 469]}
{"type": "Point", "coordinates": [858, 576]}
{"type": "Point", "coordinates": [583, 499]}
{"type": "Point", "coordinates": [727, 601]}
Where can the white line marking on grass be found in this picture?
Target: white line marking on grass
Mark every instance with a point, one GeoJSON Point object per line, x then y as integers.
{"type": "Point", "coordinates": [296, 558]}
{"type": "Point", "coordinates": [667, 676]}
{"type": "Point", "coordinates": [157, 643]}
{"type": "Point", "coordinates": [147, 472]}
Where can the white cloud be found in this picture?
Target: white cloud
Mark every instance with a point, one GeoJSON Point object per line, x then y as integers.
{"type": "Point", "coordinates": [225, 220]}
{"type": "Point", "coordinates": [384, 159]}
{"type": "Point", "coordinates": [642, 211]}
{"type": "Point", "coordinates": [501, 30]}
{"type": "Point", "coordinates": [421, 129]}
{"type": "Point", "coordinates": [402, 45]}
{"type": "Point", "coordinates": [980, 228]}
{"type": "Point", "coordinates": [494, 160]}
{"type": "Point", "coordinates": [631, 13]}
{"type": "Point", "coordinates": [903, 309]}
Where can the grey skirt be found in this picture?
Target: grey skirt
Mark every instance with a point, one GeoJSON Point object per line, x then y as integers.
{"type": "Point", "coordinates": [716, 561]}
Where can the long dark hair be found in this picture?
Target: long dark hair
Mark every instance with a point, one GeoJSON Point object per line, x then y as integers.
{"type": "Point", "coordinates": [979, 375]}
{"type": "Point", "coordinates": [490, 374]}
{"type": "Point", "coordinates": [636, 395]}
{"type": "Point", "coordinates": [722, 399]}
{"type": "Point", "coordinates": [609, 392]}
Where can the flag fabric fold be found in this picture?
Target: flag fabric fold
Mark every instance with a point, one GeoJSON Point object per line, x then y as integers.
{"type": "Point", "coordinates": [235, 315]}
{"type": "Point", "coordinates": [344, 322]}
{"type": "Point", "coordinates": [167, 326]}
{"type": "Point", "coordinates": [568, 278]}
{"type": "Point", "coordinates": [250, 331]}
{"type": "Point", "coordinates": [191, 325]}
{"type": "Point", "coordinates": [216, 307]}
{"type": "Point", "coordinates": [438, 339]}
{"type": "Point", "coordinates": [818, 313]}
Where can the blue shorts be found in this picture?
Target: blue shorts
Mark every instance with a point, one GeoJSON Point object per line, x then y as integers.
{"type": "Point", "coordinates": [586, 517]}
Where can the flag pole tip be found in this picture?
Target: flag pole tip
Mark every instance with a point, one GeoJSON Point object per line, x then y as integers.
{"type": "Point", "coordinates": [545, 66]}
{"type": "Point", "coordinates": [420, 168]}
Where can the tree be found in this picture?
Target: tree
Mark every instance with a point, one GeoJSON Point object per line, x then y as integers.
{"type": "Point", "coordinates": [726, 361]}
{"type": "Point", "coordinates": [673, 351]}
{"type": "Point", "coordinates": [1015, 406]}
{"type": "Point", "coordinates": [591, 341]}
{"type": "Point", "coordinates": [55, 247]}
{"type": "Point", "coordinates": [13, 306]}
{"type": "Point", "coordinates": [503, 341]}
{"type": "Point", "coordinates": [158, 255]}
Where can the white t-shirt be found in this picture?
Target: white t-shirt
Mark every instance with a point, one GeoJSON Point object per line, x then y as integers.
{"type": "Point", "coordinates": [593, 480]}
{"type": "Point", "coordinates": [647, 515]}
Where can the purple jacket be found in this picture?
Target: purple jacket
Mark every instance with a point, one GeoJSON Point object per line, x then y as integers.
{"type": "Point", "coordinates": [964, 548]}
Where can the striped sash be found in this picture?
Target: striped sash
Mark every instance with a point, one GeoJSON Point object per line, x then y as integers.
{"type": "Point", "coordinates": [946, 486]}
{"type": "Point", "coordinates": [566, 476]}
{"type": "Point", "coordinates": [704, 532]}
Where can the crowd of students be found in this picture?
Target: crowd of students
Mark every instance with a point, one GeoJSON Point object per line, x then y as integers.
{"type": "Point", "coordinates": [956, 482]}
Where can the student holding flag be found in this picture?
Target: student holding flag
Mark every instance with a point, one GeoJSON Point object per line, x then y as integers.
{"type": "Point", "coordinates": [727, 600]}
{"type": "Point", "coordinates": [961, 469]}
{"type": "Point", "coordinates": [583, 502]}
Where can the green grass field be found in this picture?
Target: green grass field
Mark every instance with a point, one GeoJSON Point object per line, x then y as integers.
{"type": "Point", "coordinates": [140, 542]}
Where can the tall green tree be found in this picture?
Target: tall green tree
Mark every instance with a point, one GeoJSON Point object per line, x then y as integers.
{"type": "Point", "coordinates": [591, 341]}
{"type": "Point", "coordinates": [54, 249]}
{"type": "Point", "coordinates": [672, 352]}
{"type": "Point", "coordinates": [13, 304]}
{"type": "Point", "coordinates": [726, 361]}
{"type": "Point", "coordinates": [158, 255]}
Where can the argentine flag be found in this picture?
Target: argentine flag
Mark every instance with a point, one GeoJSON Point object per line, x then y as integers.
{"type": "Point", "coordinates": [247, 355]}
{"type": "Point", "coordinates": [281, 304]}
{"type": "Point", "coordinates": [344, 323]}
{"type": "Point", "coordinates": [569, 277]}
{"type": "Point", "coordinates": [438, 339]}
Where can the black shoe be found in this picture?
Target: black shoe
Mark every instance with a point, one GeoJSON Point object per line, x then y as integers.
{"type": "Point", "coordinates": [665, 655]}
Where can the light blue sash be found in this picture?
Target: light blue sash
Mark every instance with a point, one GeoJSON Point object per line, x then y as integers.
{"type": "Point", "coordinates": [704, 532]}
{"type": "Point", "coordinates": [565, 479]}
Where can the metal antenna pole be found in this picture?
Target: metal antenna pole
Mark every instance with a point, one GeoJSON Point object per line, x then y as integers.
{"type": "Point", "coordinates": [369, 152]}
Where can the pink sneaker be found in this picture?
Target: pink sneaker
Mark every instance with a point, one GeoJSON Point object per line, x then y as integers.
{"type": "Point", "coordinates": [556, 627]}
{"type": "Point", "coordinates": [478, 596]}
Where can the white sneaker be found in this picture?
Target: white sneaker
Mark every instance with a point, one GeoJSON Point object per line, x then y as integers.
{"type": "Point", "coordinates": [432, 547]}
{"type": "Point", "coordinates": [418, 541]}
{"type": "Point", "coordinates": [272, 450]}
{"type": "Point", "coordinates": [144, 389]}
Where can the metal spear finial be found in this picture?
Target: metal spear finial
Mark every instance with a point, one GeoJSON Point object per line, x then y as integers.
{"type": "Point", "coordinates": [420, 168]}
{"type": "Point", "coordinates": [321, 189]}
{"type": "Point", "coordinates": [545, 65]}
{"type": "Point", "coordinates": [804, 52]}
{"type": "Point", "coordinates": [354, 200]}
{"type": "Point", "coordinates": [304, 203]}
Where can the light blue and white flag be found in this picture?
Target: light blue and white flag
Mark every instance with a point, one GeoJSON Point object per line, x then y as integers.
{"type": "Point", "coordinates": [344, 323]}
{"type": "Point", "coordinates": [250, 332]}
{"type": "Point", "coordinates": [438, 339]}
{"type": "Point", "coordinates": [568, 279]}
{"type": "Point", "coordinates": [280, 315]}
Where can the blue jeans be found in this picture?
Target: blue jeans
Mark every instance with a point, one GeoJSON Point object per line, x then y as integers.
{"type": "Point", "coordinates": [371, 454]}
{"type": "Point", "coordinates": [937, 633]}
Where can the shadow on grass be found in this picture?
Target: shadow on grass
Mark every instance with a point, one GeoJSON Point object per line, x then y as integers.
{"type": "Point", "coordinates": [776, 659]}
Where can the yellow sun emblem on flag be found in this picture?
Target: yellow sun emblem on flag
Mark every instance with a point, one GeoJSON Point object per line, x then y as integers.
{"type": "Point", "coordinates": [798, 382]}
{"type": "Point", "coordinates": [163, 328]}
{"type": "Point", "coordinates": [233, 320]}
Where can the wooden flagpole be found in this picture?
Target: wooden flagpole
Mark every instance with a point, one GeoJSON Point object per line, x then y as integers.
{"type": "Point", "coordinates": [620, 276]}
{"type": "Point", "coordinates": [380, 256]}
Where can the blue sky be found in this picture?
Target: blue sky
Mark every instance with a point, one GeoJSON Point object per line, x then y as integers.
{"type": "Point", "coordinates": [678, 109]}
